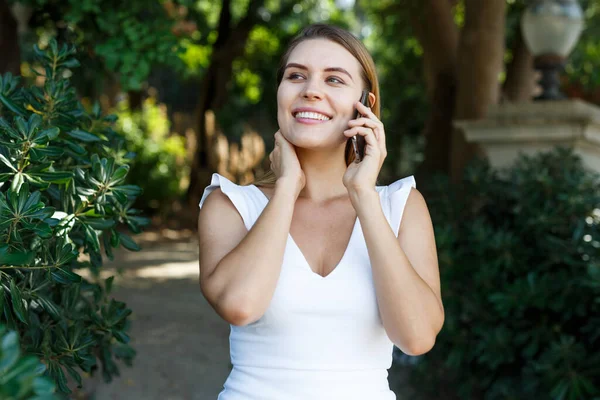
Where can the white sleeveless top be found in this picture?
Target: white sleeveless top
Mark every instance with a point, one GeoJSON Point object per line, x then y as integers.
{"type": "Point", "coordinates": [321, 337]}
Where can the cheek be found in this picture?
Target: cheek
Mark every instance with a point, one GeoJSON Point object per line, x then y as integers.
{"type": "Point", "coordinates": [282, 101]}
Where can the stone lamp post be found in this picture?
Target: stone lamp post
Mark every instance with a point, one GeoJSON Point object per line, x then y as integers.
{"type": "Point", "coordinates": [551, 29]}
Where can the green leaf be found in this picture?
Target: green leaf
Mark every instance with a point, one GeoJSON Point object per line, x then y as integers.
{"type": "Point", "coordinates": [44, 136]}
{"type": "Point", "coordinates": [74, 147]}
{"type": "Point", "coordinates": [43, 386]}
{"type": "Point", "coordinates": [42, 230]}
{"type": "Point", "coordinates": [92, 238]}
{"type": "Point", "coordinates": [83, 136]}
{"type": "Point", "coordinates": [64, 276]}
{"type": "Point", "coordinates": [17, 182]}
{"type": "Point", "coordinates": [74, 374]}
{"type": "Point", "coordinates": [108, 284]}
{"type": "Point", "coordinates": [8, 129]}
{"type": "Point", "coordinates": [7, 163]}
{"type": "Point", "coordinates": [32, 125]}
{"type": "Point", "coordinates": [5, 176]}
{"type": "Point", "coordinates": [128, 242]}
{"type": "Point", "coordinates": [71, 63]}
{"type": "Point", "coordinates": [49, 151]}
{"type": "Point", "coordinates": [10, 351]}
{"type": "Point", "coordinates": [10, 105]}
{"type": "Point", "coordinates": [121, 336]}
{"type": "Point", "coordinates": [15, 257]}
{"type": "Point", "coordinates": [115, 239]}
{"type": "Point", "coordinates": [54, 177]}
{"type": "Point", "coordinates": [23, 366]}
{"type": "Point", "coordinates": [61, 380]}
{"type": "Point", "coordinates": [17, 302]}
{"type": "Point", "coordinates": [119, 174]}
{"type": "Point", "coordinates": [119, 196]}
{"type": "Point", "coordinates": [100, 223]}
{"type": "Point", "coordinates": [50, 307]}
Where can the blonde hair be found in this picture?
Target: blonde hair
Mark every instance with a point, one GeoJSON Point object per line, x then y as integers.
{"type": "Point", "coordinates": [357, 49]}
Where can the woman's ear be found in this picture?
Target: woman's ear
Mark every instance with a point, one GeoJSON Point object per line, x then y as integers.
{"type": "Point", "coordinates": [372, 100]}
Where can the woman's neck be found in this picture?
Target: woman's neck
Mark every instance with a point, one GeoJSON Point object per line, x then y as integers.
{"type": "Point", "coordinates": [324, 172]}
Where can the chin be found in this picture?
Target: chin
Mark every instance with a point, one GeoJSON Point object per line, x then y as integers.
{"type": "Point", "coordinates": [307, 140]}
{"type": "Point", "coordinates": [313, 137]}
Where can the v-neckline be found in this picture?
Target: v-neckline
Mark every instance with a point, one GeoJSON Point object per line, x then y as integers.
{"type": "Point", "coordinates": [299, 250]}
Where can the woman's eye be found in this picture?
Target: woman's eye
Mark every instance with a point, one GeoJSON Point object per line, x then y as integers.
{"type": "Point", "coordinates": [334, 79]}
{"type": "Point", "coordinates": [294, 76]}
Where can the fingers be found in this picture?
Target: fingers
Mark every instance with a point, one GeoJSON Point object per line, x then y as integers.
{"type": "Point", "coordinates": [278, 137]}
{"type": "Point", "coordinates": [366, 111]}
{"type": "Point", "coordinates": [370, 120]}
{"type": "Point", "coordinates": [363, 122]}
{"type": "Point", "coordinates": [368, 134]}
{"type": "Point", "coordinates": [361, 128]}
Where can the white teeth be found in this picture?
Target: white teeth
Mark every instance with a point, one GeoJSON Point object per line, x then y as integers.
{"type": "Point", "coordinates": [312, 115]}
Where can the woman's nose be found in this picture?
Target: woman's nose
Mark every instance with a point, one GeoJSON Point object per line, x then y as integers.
{"type": "Point", "coordinates": [312, 90]}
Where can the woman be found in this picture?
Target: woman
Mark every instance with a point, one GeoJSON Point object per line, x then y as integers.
{"type": "Point", "coordinates": [318, 270]}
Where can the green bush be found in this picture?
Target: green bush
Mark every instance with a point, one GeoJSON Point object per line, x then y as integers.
{"type": "Point", "coordinates": [62, 195]}
{"type": "Point", "coordinates": [20, 376]}
{"type": "Point", "coordinates": [159, 166]}
{"type": "Point", "coordinates": [519, 255]}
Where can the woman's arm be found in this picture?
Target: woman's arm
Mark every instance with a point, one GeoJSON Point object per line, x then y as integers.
{"type": "Point", "coordinates": [239, 269]}
{"type": "Point", "coordinates": [405, 271]}
{"type": "Point", "coordinates": [405, 268]}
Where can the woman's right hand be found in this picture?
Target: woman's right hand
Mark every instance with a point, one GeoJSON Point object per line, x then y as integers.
{"type": "Point", "coordinates": [285, 165]}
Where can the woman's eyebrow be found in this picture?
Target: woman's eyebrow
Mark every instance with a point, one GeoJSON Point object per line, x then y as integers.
{"type": "Point", "coordinates": [330, 69]}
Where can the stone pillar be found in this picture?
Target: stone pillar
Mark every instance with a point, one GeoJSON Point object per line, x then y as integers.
{"type": "Point", "coordinates": [513, 128]}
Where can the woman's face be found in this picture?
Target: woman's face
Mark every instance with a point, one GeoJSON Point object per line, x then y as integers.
{"type": "Point", "coordinates": [315, 100]}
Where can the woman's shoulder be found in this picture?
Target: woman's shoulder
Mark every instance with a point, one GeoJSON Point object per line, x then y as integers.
{"type": "Point", "coordinates": [223, 194]}
{"type": "Point", "coordinates": [224, 187]}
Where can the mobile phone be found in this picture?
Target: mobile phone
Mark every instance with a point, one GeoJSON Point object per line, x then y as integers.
{"type": "Point", "coordinates": [358, 141]}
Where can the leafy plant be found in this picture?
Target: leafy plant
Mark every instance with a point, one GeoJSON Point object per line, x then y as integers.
{"type": "Point", "coordinates": [62, 195]}
{"type": "Point", "coordinates": [21, 376]}
{"type": "Point", "coordinates": [160, 164]}
{"type": "Point", "coordinates": [127, 38]}
{"type": "Point", "coordinates": [519, 254]}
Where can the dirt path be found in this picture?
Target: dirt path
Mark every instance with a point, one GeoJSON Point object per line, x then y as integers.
{"type": "Point", "coordinates": [182, 345]}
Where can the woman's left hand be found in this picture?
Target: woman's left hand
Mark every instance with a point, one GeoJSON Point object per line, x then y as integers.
{"type": "Point", "coordinates": [363, 175]}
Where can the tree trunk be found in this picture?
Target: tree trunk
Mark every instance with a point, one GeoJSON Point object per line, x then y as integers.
{"type": "Point", "coordinates": [480, 62]}
{"type": "Point", "coordinates": [136, 99]}
{"type": "Point", "coordinates": [435, 29]}
{"type": "Point", "coordinates": [520, 75]}
{"type": "Point", "coordinates": [10, 61]}
{"type": "Point", "coordinates": [230, 45]}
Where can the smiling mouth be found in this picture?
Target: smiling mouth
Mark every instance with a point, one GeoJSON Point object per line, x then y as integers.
{"type": "Point", "coordinates": [311, 115]}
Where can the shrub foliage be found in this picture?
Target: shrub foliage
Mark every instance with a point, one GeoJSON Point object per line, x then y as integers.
{"type": "Point", "coordinates": [63, 204]}
{"type": "Point", "coordinates": [519, 256]}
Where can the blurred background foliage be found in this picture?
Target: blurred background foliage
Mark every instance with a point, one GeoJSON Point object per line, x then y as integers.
{"type": "Point", "coordinates": [192, 83]}
{"type": "Point", "coordinates": [167, 51]}
{"type": "Point", "coordinates": [519, 259]}
{"type": "Point", "coordinates": [158, 162]}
